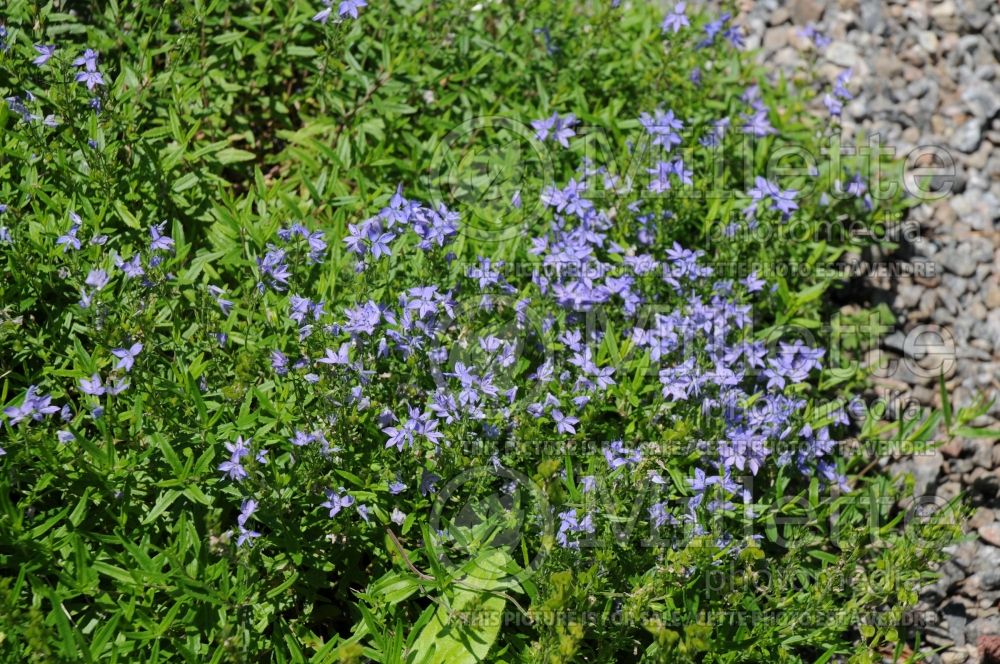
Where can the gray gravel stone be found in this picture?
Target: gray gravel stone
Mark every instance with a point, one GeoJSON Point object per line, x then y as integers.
{"type": "Point", "coordinates": [844, 54]}
{"type": "Point", "coordinates": [982, 99]}
{"type": "Point", "coordinates": [925, 468]}
{"type": "Point", "coordinates": [976, 208]}
{"type": "Point", "coordinates": [967, 136]}
{"type": "Point", "coordinates": [954, 657]}
{"type": "Point", "coordinates": [954, 284]}
{"type": "Point", "coordinates": [956, 619]}
{"type": "Point", "coordinates": [806, 11]}
{"type": "Point", "coordinates": [986, 626]}
{"type": "Point", "coordinates": [957, 262]}
{"type": "Point", "coordinates": [991, 533]}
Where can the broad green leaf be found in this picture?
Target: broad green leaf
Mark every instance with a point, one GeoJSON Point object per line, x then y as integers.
{"type": "Point", "coordinates": [465, 634]}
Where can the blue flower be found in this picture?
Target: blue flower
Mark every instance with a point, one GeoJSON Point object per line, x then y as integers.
{"type": "Point", "coordinates": [132, 267]}
{"type": "Point", "coordinates": [339, 358]}
{"type": "Point", "coordinates": [401, 436]}
{"type": "Point", "coordinates": [833, 105]}
{"type": "Point", "coordinates": [233, 468]}
{"type": "Point", "coordinates": [663, 127]}
{"type": "Point", "coordinates": [658, 515]}
{"type": "Point", "coordinates": [363, 319]}
{"type": "Point", "coordinates": [337, 501]}
{"type": "Point", "coordinates": [301, 438]}
{"type": "Point", "coordinates": [351, 7]}
{"type": "Point", "coordinates": [34, 406]}
{"type": "Point", "coordinates": [560, 129]}
{"type": "Point", "coordinates": [713, 28]}
{"type": "Point", "coordinates": [564, 423]}
{"type": "Point", "coordinates": [17, 106]}
{"type": "Point", "coordinates": [45, 52]}
{"type": "Point", "coordinates": [571, 524]}
{"type": "Point", "coordinates": [346, 8]}
{"type": "Point", "coordinates": [117, 387]}
{"type": "Point", "coordinates": [700, 482]}
{"type": "Point", "coordinates": [840, 85]}
{"type": "Point", "coordinates": [159, 241]}
{"type": "Point", "coordinates": [97, 279]}
{"type": "Point", "coordinates": [379, 244]}
{"type": "Point", "coordinates": [757, 124]}
{"type": "Point", "coordinates": [675, 20]}
{"type": "Point", "coordinates": [323, 15]}
{"type": "Point", "coordinates": [273, 268]}
{"type": "Point", "coordinates": [857, 187]}
{"type": "Point", "coordinates": [427, 482]}
{"type": "Point", "coordinates": [69, 239]}
{"type": "Point", "coordinates": [754, 283]}
{"type": "Point", "coordinates": [92, 386]}
{"type": "Point", "coordinates": [818, 38]}
{"type": "Point", "coordinates": [88, 60]}
{"type": "Point", "coordinates": [247, 508]}
{"type": "Point", "coordinates": [317, 246]}
{"type": "Point", "coordinates": [279, 362]}
{"type": "Point", "coordinates": [224, 304]}
{"type": "Point", "coordinates": [782, 200]}
{"type": "Point", "coordinates": [246, 536]}
{"type": "Point", "coordinates": [126, 356]}
{"type": "Point", "coordinates": [735, 36]}
{"type": "Point", "coordinates": [794, 362]}
{"type": "Point", "coordinates": [617, 455]}
{"type": "Point", "coordinates": [91, 78]}
{"type": "Point", "coordinates": [355, 239]}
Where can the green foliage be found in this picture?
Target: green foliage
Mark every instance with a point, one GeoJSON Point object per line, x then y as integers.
{"type": "Point", "coordinates": [231, 120]}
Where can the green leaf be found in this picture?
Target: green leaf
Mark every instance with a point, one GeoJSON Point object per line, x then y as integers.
{"type": "Point", "coordinates": [126, 215]}
{"type": "Point", "coordinates": [116, 573]}
{"type": "Point", "coordinates": [185, 182]}
{"type": "Point", "coordinates": [824, 556]}
{"type": "Point", "coordinates": [161, 506]}
{"type": "Point", "coordinates": [465, 634]}
{"type": "Point", "coordinates": [394, 587]}
{"type": "Point", "coordinates": [302, 51]}
{"type": "Point", "coordinates": [945, 402]}
{"type": "Point", "coordinates": [977, 432]}
{"type": "Point", "coordinates": [234, 155]}
{"type": "Point", "coordinates": [285, 585]}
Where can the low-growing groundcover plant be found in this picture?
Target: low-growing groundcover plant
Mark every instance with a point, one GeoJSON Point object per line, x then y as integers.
{"type": "Point", "coordinates": [432, 332]}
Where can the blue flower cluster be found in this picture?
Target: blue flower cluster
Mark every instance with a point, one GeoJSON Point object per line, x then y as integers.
{"type": "Point", "coordinates": [500, 356]}
{"type": "Point", "coordinates": [497, 353]}
{"type": "Point", "coordinates": [543, 370]}
{"type": "Point", "coordinates": [87, 73]}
